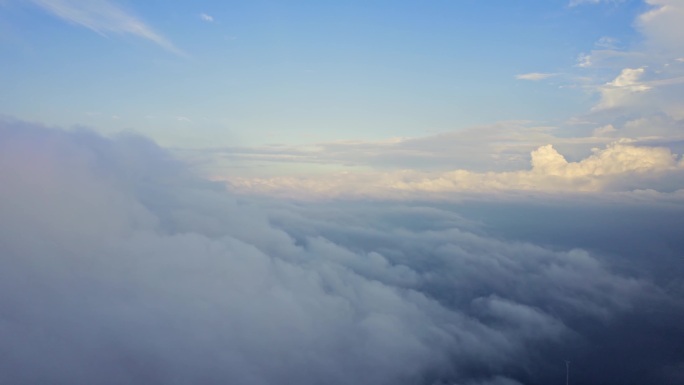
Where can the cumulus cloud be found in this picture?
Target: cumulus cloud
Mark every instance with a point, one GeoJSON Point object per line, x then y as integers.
{"type": "Point", "coordinates": [550, 171]}
{"type": "Point", "coordinates": [118, 265]}
{"type": "Point", "coordinates": [641, 80]}
{"type": "Point", "coordinates": [617, 93]}
{"type": "Point", "coordinates": [504, 146]}
{"type": "Point", "coordinates": [103, 16]}
{"type": "Point", "coordinates": [207, 18]}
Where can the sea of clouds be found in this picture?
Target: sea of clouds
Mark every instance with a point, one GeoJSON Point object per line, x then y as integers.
{"type": "Point", "coordinates": [118, 265]}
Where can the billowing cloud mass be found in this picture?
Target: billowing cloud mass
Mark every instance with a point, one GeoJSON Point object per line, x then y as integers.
{"type": "Point", "coordinates": [118, 265]}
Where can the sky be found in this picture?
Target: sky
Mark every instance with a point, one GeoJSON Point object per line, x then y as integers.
{"type": "Point", "coordinates": [369, 192]}
{"type": "Point", "coordinates": [270, 87]}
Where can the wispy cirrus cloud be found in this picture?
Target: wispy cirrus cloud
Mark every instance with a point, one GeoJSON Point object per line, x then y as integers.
{"type": "Point", "coordinates": [104, 17]}
{"type": "Point", "coordinates": [535, 76]}
{"type": "Point", "coordinates": [207, 18]}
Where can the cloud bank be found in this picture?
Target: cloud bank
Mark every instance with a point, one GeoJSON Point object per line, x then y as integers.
{"type": "Point", "coordinates": [620, 166]}
{"type": "Point", "coordinates": [118, 265]}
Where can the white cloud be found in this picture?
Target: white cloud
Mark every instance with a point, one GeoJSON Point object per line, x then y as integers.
{"type": "Point", "coordinates": [618, 92]}
{"type": "Point", "coordinates": [207, 18]}
{"type": "Point", "coordinates": [663, 28]}
{"type": "Point", "coordinates": [111, 253]}
{"type": "Point", "coordinates": [607, 42]}
{"type": "Point", "coordinates": [584, 60]}
{"type": "Point", "coordinates": [103, 16]}
{"type": "Point", "coordinates": [619, 161]}
{"type": "Point", "coordinates": [606, 130]}
{"type": "Point", "coordinates": [641, 81]}
{"type": "Point", "coordinates": [534, 76]}
{"type": "Point", "coordinates": [617, 158]}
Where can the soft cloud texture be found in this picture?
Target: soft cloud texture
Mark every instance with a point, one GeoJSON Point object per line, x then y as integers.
{"type": "Point", "coordinates": [504, 146]}
{"type": "Point", "coordinates": [617, 92]}
{"type": "Point", "coordinates": [117, 265]}
{"type": "Point", "coordinates": [662, 25]}
{"type": "Point", "coordinates": [618, 163]}
{"type": "Point", "coordinates": [535, 76]}
{"type": "Point", "coordinates": [103, 16]}
{"type": "Point", "coordinates": [207, 18]}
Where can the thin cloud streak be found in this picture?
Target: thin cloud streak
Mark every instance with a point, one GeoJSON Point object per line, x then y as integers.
{"type": "Point", "coordinates": [104, 17]}
{"type": "Point", "coordinates": [535, 76]}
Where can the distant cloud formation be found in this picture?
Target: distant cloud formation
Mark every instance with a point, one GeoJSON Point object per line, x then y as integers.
{"type": "Point", "coordinates": [607, 42]}
{"type": "Point", "coordinates": [534, 76]}
{"type": "Point", "coordinates": [118, 265]}
{"type": "Point", "coordinates": [486, 255]}
{"type": "Point", "coordinates": [617, 92]}
{"type": "Point", "coordinates": [103, 16]}
{"type": "Point", "coordinates": [643, 167]}
{"type": "Point", "coordinates": [634, 98]}
{"type": "Point", "coordinates": [662, 25]}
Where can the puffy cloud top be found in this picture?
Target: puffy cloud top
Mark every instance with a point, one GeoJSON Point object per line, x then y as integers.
{"type": "Point", "coordinates": [620, 163]}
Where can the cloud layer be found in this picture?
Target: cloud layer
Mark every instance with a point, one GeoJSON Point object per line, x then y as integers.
{"type": "Point", "coordinates": [620, 166]}
{"type": "Point", "coordinates": [117, 265]}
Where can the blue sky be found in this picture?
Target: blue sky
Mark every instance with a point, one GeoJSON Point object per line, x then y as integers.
{"type": "Point", "coordinates": [301, 71]}
{"type": "Point", "coordinates": [368, 192]}
{"type": "Point", "coordinates": [277, 79]}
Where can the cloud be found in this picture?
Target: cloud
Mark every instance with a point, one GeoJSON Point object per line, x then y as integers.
{"type": "Point", "coordinates": [207, 18]}
{"type": "Point", "coordinates": [503, 146]}
{"type": "Point", "coordinates": [647, 77]}
{"type": "Point", "coordinates": [606, 130]}
{"type": "Point", "coordinates": [643, 92]}
{"type": "Point", "coordinates": [639, 81]}
{"type": "Point", "coordinates": [617, 93]}
{"type": "Point", "coordinates": [103, 16]}
{"type": "Point", "coordinates": [662, 26]}
{"type": "Point", "coordinates": [619, 162]}
{"type": "Point", "coordinates": [118, 265]}
{"type": "Point", "coordinates": [535, 76]}
{"type": "Point", "coordinates": [607, 42]}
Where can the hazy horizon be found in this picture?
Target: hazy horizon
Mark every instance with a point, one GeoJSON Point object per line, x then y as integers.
{"type": "Point", "coordinates": [300, 192]}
